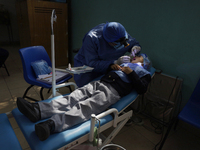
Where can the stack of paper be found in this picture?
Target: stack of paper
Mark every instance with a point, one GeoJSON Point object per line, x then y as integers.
{"type": "Point", "coordinates": [47, 78]}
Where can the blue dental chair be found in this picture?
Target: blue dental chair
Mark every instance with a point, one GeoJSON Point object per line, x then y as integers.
{"type": "Point", "coordinates": [32, 54]}
{"type": "Point", "coordinates": [8, 139]}
{"type": "Point", "coordinates": [79, 133]}
{"type": "Point", "coordinates": [189, 114]}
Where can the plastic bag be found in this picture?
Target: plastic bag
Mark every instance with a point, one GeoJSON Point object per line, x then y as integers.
{"type": "Point", "coordinates": [40, 67]}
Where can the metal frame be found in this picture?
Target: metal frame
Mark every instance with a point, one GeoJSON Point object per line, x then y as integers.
{"type": "Point", "coordinates": [118, 122]}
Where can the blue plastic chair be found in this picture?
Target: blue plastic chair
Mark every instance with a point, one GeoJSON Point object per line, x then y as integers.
{"type": "Point", "coordinates": [32, 54]}
{"type": "Point", "coordinates": [190, 113]}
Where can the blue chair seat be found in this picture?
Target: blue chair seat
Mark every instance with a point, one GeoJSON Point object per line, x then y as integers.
{"type": "Point", "coordinates": [8, 139]}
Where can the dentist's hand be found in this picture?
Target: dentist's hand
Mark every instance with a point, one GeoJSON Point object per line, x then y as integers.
{"type": "Point", "coordinates": [123, 59]}
{"type": "Point", "coordinates": [135, 50]}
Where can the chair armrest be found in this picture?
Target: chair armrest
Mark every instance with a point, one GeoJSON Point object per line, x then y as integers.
{"type": "Point", "coordinates": [103, 114]}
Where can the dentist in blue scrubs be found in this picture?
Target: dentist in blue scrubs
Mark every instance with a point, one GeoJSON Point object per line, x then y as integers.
{"type": "Point", "coordinates": [102, 45]}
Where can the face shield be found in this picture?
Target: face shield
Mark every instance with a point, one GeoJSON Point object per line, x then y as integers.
{"type": "Point", "coordinates": [121, 43]}
{"type": "Point", "coordinates": [116, 34]}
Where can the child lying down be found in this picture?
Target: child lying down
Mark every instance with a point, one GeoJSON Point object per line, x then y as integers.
{"type": "Point", "coordinates": [93, 98]}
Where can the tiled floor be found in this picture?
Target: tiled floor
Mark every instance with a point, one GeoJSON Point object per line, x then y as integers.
{"type": "Point", "coordinates": [134, 137]}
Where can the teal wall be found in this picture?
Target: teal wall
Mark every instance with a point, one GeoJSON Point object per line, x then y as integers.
{"type": "Point", "coordinates": [167, 30]}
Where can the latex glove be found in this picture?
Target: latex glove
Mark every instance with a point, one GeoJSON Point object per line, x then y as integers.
{"type": "Point", "coordinates": [135, 50]}
{"type": "Point", "coordinates": [123, 59]}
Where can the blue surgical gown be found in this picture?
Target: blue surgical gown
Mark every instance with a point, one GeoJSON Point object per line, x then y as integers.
{"type": "Point", "coordinates": [97, 53]}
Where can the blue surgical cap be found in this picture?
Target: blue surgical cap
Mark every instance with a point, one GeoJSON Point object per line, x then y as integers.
{"type": "Point", "coordinates": [146, 61]}
{"type": "Point", "coordinates": [112, 31]}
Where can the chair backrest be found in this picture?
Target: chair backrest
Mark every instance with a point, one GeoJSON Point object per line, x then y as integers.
{"type": "Point", "coordinates": [32, 54]}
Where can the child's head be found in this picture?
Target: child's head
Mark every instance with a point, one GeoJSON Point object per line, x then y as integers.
{"type": "Point", "coordinates": [142, 58]}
